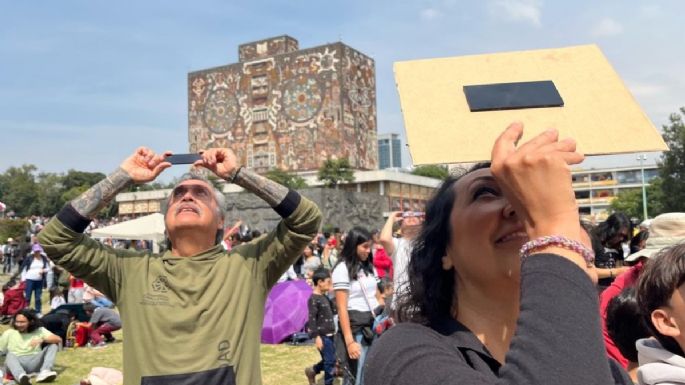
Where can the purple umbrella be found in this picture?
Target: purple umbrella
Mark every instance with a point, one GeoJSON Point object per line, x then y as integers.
{"type": "Point", "coordinates": [285, 311]}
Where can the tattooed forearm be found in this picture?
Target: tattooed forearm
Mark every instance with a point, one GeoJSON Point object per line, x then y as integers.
{"type": "Point", "coordinates": [90, 202]}
{"type": "Point", "coordinates": [272, 192]}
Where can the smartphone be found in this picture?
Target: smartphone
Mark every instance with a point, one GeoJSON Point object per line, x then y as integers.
{"type": "Point", "coordinates": [183, 158]}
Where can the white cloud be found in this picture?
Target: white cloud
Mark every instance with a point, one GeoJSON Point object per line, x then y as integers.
{"type": "Point", "coordinates": [429, 14]}
{"type": "Point", "coordinates": [527, 11]}
{"type": "Point", "coordinates": [645, 89]}
{"type": "Point", "coordinates": [607, 27]}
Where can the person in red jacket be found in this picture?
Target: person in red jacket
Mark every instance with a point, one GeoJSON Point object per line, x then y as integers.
{"type": "Point", "coordinates": [14, 299]}
{"type": "Point", "coordinates": [381, 260]}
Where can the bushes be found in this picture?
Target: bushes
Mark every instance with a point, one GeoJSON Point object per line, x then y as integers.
{"type": "Point", "coordinates": [13, 228]}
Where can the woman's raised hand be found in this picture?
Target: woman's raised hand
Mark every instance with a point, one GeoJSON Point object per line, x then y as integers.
{"type": "Point", "coordinates": [535, 178]}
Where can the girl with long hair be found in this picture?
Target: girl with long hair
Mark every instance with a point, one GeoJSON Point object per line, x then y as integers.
{"type": "Point", "coordinates": [357, 300]}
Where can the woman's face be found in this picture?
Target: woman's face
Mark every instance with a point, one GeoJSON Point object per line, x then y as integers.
{"type": "Point", "coordinates": [21, 323]}
{"type": "Point", "coordinates": [486, 233]}
{"type": "Point", "coordinates": [363, 250]}
{"type": "Point", "coordinates": [620, 237]}
{"type": "Point", "coordinates": [308, 252]}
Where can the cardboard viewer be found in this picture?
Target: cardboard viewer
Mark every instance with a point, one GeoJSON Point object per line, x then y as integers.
{"type": "Point", "coordinates": [454, 108]}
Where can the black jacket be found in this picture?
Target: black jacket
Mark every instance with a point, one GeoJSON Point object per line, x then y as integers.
{"type": "Point", "coordinates": [558, 340]}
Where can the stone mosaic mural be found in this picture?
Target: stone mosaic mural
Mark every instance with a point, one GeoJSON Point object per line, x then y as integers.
{"type": "Point", "coordinates": [281, 107]}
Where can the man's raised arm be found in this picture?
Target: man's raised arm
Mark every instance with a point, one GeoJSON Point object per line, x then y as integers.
{"type": "Point", "coordinates": [143, 166]}
{"type": "Point", "coordinates": [223, 163]}
{"type": "Point", "coordinates": [63, 239]}
{"type": "Point", "coordinates": [301, 218]}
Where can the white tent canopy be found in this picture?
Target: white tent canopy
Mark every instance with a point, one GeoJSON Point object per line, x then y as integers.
{"type": "Point", "coordinates": [149, 227]}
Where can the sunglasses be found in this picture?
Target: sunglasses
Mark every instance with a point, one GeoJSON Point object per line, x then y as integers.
{"type": "Point", "coordinates": [198, 192]}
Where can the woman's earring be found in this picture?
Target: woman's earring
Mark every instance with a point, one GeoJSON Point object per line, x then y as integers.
{"type": "Point", "coordinates": [446, 263]}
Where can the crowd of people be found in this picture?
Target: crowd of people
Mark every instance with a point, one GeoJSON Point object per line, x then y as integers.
{"type": "Point", "coordinates": [31, 344]}
{"type": "Point", "coordinates": [496, 282]}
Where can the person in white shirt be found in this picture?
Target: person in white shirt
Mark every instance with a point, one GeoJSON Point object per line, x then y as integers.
{"type": "Point", "coordinates": [357, 300]}
{"type": "Point", "coordinates": [399, 249]}
{"type": "Point", "coordinates": [34, 272]}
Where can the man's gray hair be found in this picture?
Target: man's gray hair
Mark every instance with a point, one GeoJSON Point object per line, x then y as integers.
{"type": "Point", "coordinates": [218, 196]}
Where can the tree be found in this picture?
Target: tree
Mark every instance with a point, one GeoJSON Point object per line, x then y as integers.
{"type": "Point", "coordinates": [335, 171]}
{"type": "Point", "coordinates": [287, 179]}
{"type": "Point", "coordinates": [630, 201]}
{"type": "Point", "coordinates": [19, 190]}
{"type": "Point", "coordinates": [672, 165]}
{"type": "Point", "coordinates": [75, 178]}
{"type": "Point", "coordinates": [50, 190]}
{"type": "Point", "coordinates": [432, 171]}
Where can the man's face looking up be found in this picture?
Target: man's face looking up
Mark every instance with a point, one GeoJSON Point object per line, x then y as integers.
{"type": "Point", "coordinates": [192, 206]}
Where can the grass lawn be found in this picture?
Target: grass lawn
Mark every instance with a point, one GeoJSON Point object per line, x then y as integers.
{"type": "Point", "coordinates": [281, 364]}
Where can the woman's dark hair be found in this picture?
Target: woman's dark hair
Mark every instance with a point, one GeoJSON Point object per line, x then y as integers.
{"type": "Point", "coordinates": [430, 292]}
{"type": "Point", "coordinates": [9, 284]}
{"type": "Point", "coordinates": [89, 308]}
{"type": "Point", "coordinates": [625, 323]}
{"type": "Point", "coordinates": [310, 247]}
{"type": "Point", "coordinates": [612, 226]}
{"type": "Point", "coordinates": [660, 278]}
{"type": "Point", "coordinates": [637, 239]}
{"type": "Point", "coordinates": [31, 316]}
{"type": "Point", "coordinates": [348, 255]}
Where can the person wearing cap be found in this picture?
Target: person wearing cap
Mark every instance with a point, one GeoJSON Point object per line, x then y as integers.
{"type": "Point", "coordinates": [194, 313]}
{"type": "Point", "coordinates": [34, 272]}
{"type": "Point", "coordinates": [662, 231]}
{"type": "Point", "coordinates": [661, 298]}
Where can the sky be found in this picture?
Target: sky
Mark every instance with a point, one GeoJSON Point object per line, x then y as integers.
{"type": "Point", "coordinates": [83, 83]}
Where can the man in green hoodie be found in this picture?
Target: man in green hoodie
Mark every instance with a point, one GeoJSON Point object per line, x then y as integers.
{"type": "Point", "coordinates": [193, 314]}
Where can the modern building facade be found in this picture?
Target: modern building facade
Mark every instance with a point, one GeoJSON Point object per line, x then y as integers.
{"type": "Point", "coordinates": [389, 151]}
{"type": "Point", "coordinates": [285, 107]}
{"type": "Point", "coordinates": [596, 188]}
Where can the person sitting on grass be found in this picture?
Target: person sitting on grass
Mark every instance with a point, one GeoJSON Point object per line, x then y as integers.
{"type": "Point", "coordinates": [103, 321]}
{"type": "Point", "coordinates": [23, 342]}
{"type": "Point", "coordinates": [321, 327]}
{"type": "Point", "coordinates": [14, 299]}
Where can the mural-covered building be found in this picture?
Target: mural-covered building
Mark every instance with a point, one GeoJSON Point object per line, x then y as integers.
{"type": "Point", "coordinates": [282, 107]}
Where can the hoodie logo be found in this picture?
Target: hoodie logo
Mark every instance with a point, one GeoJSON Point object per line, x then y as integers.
{"type": "Point", "coordinates": [160, 285]}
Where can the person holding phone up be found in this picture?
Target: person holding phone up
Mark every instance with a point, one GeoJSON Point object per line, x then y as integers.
{"type": "Point", "coordinates": [194, 313]}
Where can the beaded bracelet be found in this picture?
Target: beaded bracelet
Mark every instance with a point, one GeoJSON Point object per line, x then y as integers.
{"type": "Point", "coordinates": [559, 241]}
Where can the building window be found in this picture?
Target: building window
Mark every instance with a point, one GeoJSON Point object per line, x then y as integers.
{"type": "Point", "coordinates": [260, 115]}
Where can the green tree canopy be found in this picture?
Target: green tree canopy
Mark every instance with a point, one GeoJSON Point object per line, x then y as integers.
{"type": "Point", "coordinates": [26, 193]}
{"type": "Point", "coordinates": [287, 179]}
{"type": "Point", "coordinates": [672, 165]}
{"type": "Point", "coordinates": [432, 171]}
{"type": "Point", "coordinates": [335, 171]}
{"type": "Point", "coordinates": [74, 178]}
{"type": "Point", "coordinates": [19, 191]}
{"type": "Point", "coordinates": [630, 201]}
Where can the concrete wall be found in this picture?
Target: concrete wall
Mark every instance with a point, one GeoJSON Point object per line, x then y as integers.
{"type": "Point", "coordinates": [343, 209]}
